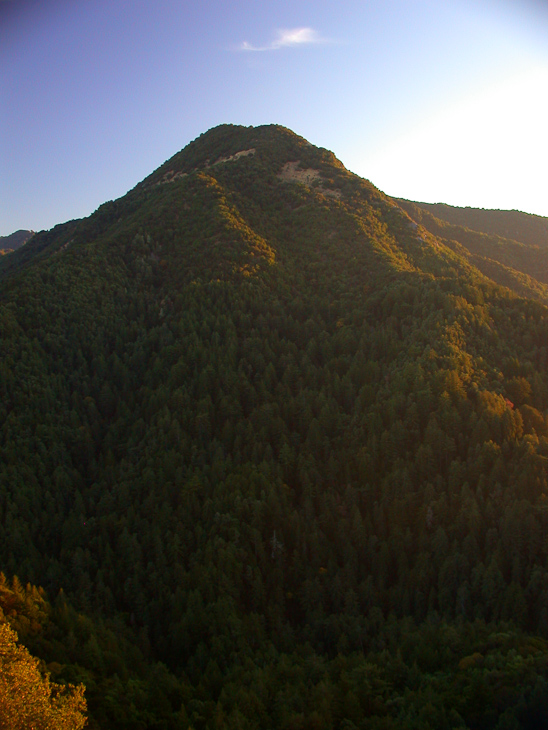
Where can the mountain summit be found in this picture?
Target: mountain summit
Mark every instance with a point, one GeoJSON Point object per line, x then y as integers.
{"type": "Point", "coordinates": [283, 445]}
{"type": "Point", "coordinates": [245, 182]}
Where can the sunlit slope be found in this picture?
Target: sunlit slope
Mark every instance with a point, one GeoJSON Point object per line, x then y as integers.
{"type": "Point", "coordinates": [523, 267]}
{"type": "Point", "coordinates": [223, 203]}
{"type": "Point", "coordinates": [254, 411]}
{"type": "Point", "coordinates": [511, 224]}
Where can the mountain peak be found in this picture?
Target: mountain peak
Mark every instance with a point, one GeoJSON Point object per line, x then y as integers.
{"type": "Point", "coordinates": [271, 144]}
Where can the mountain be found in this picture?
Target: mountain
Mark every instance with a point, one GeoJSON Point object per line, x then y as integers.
{"type": "Point", "coordinates": [14, 240]}
{"type": "Point", "coordinates": [284, 448]}
{"type": "Point", "coordinates": [509, 224]}
{"type": "Point", "coordinates": [520, 264]}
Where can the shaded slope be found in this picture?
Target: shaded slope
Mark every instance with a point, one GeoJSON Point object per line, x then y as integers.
{"type": "Point", "coordinates": [14, 240]}
{"type": "Point", "coordinates": [41, 246]}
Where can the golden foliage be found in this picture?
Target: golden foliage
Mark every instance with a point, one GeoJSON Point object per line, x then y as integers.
{"type": "Point", "coordinates": [29, 699]}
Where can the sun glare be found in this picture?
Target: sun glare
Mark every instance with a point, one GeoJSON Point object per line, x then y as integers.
{"type": "Point", "coordinates": [488, 149]}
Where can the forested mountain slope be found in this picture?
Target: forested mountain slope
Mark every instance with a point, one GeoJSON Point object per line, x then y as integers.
{"type": "Point", "coordinates": [289, 440]}
{"type": "Point", "coordinates": [511, 224]}
{"type": "Point", "coordinates": [14, 240]}
{"type": "Point", "coordinates": [521, 266]}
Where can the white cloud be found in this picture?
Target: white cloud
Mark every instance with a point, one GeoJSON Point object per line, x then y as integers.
{"type": "Point", "coordinates": [286, 38]}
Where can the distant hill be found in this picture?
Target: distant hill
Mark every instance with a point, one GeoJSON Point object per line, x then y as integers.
{"type": "Point", "coordinates": [515, 263]}
{"type": "Point", "coordinates": [14, 240]}
{"type": "Point", "coordinates": [512, 224]}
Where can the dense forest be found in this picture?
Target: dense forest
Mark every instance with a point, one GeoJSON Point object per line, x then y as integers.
{"type": "Point", "coordinates": [515, 263]}
{"type": "Point", "coordinates": [273, 453]}
{"type": "Point", "coordinates": [510, 224]}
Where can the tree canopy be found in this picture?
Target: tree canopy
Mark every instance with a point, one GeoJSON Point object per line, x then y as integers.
{"type": "Point", "coordinates": [284, 449]}
{"type": "Point", "coordinates": [28, 699]}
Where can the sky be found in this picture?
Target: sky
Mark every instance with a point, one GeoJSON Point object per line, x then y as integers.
{"type": "Point", "coordinates": [432, 101]}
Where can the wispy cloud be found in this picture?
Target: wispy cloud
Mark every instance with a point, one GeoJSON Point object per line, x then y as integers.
{"type": "Point", "coordinates": [287, 38]}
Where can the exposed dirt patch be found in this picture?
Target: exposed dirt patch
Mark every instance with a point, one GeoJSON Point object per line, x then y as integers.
{"type": "Point", "coordinates": [291, 172]}
{"type": "Point", "coordinates": [235, 156]}
{"type": "Point", "coordinates": [171, 176]}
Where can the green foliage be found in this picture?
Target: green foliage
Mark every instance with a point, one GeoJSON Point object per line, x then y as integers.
{"type": "Point", "coordinates": [284, 451]}
{"type": "Point", "coordinates": [125, 688]}
{"type": "Point", "coordinates": [510, 248]}
{"type": "Point", "coordinates": [509, 224]}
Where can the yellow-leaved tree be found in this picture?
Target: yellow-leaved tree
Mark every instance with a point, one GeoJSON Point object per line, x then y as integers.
{"type": "Point", "coordinates": [28, 699]}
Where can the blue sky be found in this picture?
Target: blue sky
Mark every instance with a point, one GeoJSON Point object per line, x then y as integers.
{"type": "Point", "coordinates": [433, 101]}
